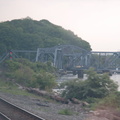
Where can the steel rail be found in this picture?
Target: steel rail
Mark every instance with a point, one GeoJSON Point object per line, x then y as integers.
{"type": "Point", "coordinates": [4, 117]}
{"type": "Point", "coordinates": [15, 110]}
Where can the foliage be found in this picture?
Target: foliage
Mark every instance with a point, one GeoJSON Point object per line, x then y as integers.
{"type": "Point", "coordinates": [11, 65]}
{"type": "Point", "coordinates": [28, 34]}
{"type": "Point", "coordinates": [24, 75]}
{"type": "Point", "coordinates": [96, 86]}
{"type": "Point", "coordinates": [111, 101]}
{"type": "Point", "coordinates": [30, 74]}
{"type": "Point", "coordinates": [45, 80]}
{"type": "Point", "coordinates": [36, 66]}
{"type": "Point", "coordinates": [9, 87]}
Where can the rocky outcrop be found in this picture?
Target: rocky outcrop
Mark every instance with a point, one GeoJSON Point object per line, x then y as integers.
{"type": "Point", "coordinates": [47, 94]}
{"type": "Point", "coordinates": [76, 101]}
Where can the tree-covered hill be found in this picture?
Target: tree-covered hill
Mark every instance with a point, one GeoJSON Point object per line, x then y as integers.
{"type": "Point", "coordinates": [28, 34]}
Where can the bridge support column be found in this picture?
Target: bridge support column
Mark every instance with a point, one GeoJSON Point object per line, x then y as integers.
{"type": "Point", "coordinates": [74, 72]}
{"type": "Point", "coordinates": [80, 73]}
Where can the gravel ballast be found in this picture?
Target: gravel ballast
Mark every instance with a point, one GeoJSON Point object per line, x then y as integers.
{"type": "Point", "coordinates": [46, 108]}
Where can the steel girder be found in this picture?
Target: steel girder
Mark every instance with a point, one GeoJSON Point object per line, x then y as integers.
{"type": "Point", "coordinates": [105, 60]}
{"type": "Point", "coordinates": [69, 56]}
{"type": "Point", "coordinates": [62, 56]}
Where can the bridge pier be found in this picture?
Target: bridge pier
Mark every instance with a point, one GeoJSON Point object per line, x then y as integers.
{"type": "Point", "coordinates": [80, 73]}
{"type": "Point", "coordinates": [74, 72]}
{"type": "Point", "coordinates": [107, 71]}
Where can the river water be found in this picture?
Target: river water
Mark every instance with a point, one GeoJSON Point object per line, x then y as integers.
{"type": "Point", "coordinates": [115, 77]}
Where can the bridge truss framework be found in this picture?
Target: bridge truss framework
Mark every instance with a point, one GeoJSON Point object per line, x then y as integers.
{"type": "Point", "coordinates": [70, 57]}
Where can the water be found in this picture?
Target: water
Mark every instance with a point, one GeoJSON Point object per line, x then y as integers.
{"type": "Point", "coordinates": [66, 77]}
{"type": "Point", "coordinates": [116, 78]}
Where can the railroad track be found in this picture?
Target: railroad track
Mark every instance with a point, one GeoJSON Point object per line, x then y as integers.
{"type": "Point", "coordinates": [9, 111]}
{"type": "Point", "coordinates": [3, 117]}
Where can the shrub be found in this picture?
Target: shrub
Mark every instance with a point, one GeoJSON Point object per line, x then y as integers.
{"type": "Point", "coordinates": [45, 80]}
{"type": "Point", "coordinates": [110, 101]}
{"type": "Point", "coordinates": [24, 75]}
{"type": "Point", "coordinates": [96, 86]}
{"type": "Point", "coordinates": [11, 65]}
{"type": "Point", "coordinates": [31, 74]}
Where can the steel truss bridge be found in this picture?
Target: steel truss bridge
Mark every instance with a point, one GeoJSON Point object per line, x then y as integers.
{"type": "Point", "coordinates": [69, 57]}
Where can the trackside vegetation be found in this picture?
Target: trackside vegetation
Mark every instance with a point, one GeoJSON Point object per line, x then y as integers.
{"type": "Point", "coordinates": [98, 89]}
{"type": "Point", "coordinates": [110, 101]}
{"type": "Point", "coordinates": [29, 74]}
{"type": "Point", "coordinates": [96, 86]}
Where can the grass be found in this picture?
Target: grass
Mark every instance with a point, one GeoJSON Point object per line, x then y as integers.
{"type": "Point", "coordinates": [9, 87]}
{"type": "Point", "coordinates": [65, 112]}
{"type": "Point", "coordinates": [113, 101]}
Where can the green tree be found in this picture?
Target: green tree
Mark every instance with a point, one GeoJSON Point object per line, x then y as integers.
{"type": "Point", "coordinates": [30, 34]}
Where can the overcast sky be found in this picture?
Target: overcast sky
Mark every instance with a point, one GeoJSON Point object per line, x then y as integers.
{"type": "Point", "coordinates": [95, 21]}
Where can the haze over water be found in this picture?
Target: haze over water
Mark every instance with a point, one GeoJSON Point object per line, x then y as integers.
{"type": "Point", "coordinates": [116, 77]}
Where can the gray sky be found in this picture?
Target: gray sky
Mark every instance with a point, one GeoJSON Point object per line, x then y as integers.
{"type": "Point", "coordinates": [96, 21]}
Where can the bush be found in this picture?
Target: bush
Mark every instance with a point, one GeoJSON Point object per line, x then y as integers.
{"type": "Point", "coordinates": [96, 86]}
{"type": "Point", "coordinates": [11, 65]}
{"type": "Point", "coordinates": [45, 80]}
{"type": "Point", "coordinates": [30, 74]}
{"type": "Point", "coordinates": [110, 101]}
{"type": "Point", "coordinates": [24, 75]}
{"type": "Point", "coordinates": [38, 66]}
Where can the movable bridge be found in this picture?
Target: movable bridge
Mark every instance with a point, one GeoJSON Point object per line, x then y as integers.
{"type": "Point", "coordinates": [70, 58]}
